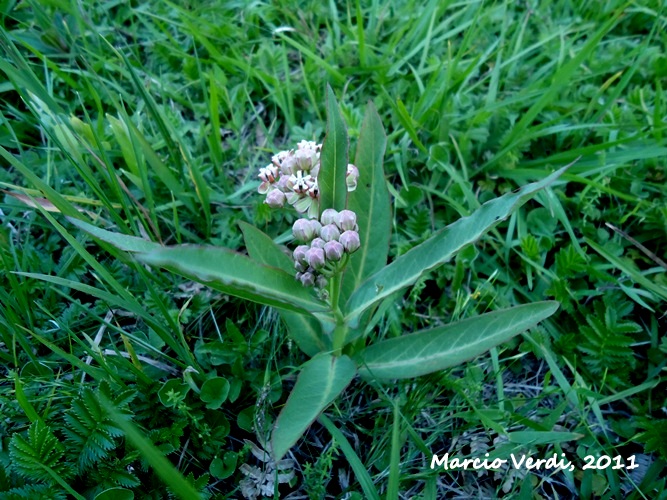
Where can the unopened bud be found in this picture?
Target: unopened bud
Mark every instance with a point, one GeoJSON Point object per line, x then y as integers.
{"type": "Point", "coordinates": [334, 251]}
{"type": "Point", "coordinates": [321, 282]}
{"type": "Point", "coordinates": [288, 165]}
{"type": "Point", "coordinates": [302, 230]}
{"type": "Point", "coordinates": [329, 216]}
{"type": "Point", "coordinates": [315, 226]}
{"type": "Point", "coordinates": [305, 158]}
{"type": "Point", "coordinates": [350, 241]}
{"type": "Point", "coordinates": [302, 267]}
{"type": "Point", "coordinates": [307, 279]}
{"type": "Point", "coordinates": [283, 183]}
{"type": "Point", "coordinates": [347, 220]}
{"type": "Point", "coordinates": [330, 232]}
{"type": "Point", "coordinates": [299, 253]}
{"type": "Point", "coordinates": [275, 199]}
{"type": "Point", "coordinates": [351, 177]}
{"type": "Point", "coordinates": [317, 243]}
{"type": "Point", "coordinates": [315, 257]}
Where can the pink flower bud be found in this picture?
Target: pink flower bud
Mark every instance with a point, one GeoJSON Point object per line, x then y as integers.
{"type": "Point", "coordinates": [275, 199]}
{"type": "Point", "coordinates": [317, 243]}
{"type": "Point", "coordinates": [299, 253]}
{"type": "Point", "coordinates": [328, 216]}
{"type": "Point", "coordinates": [288, 165]}
{"type": "Point", "coordinates": [315, 257]}
{"type": "Point", "coordinates": [334, 251]}
{"type": "Point", "coordinates": [315, 226]}
{"type": "Point", "coordinates": [302, 230]}
{"type": "Point", "coordinates": [350, 241]}
{"type": "Point", "coordinates": [346, 220]}
{"type": "Point", "coordinates": [321, 282]}
{"type": "Point", "coordinates": [330, 232]}
{"type": "Point", "coordinates": [305, 158]}
{"type": "Point", "coordinates": [307, 279]}
{"type": "Point", "coordinates": [300, 266]}
{"type": "Point", "coordinates": [351, 177]}
{"type": "Point", "coordinates": [283, 183]}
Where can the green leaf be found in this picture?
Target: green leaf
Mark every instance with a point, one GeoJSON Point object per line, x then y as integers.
{"type": "Point", "coordinates": [439, 248]}
{"type": "Point", "coordinates": [222, 468]}
{"type": "Point", "coordinates": [235, 274]}
{"type": "Point", "coordinates": [116, 494]}
{"type": "Point", "coordinates": [39, 456]}
{"type": "Point", "coordinates": [160, 464]}
{"type": "Point", "coordinates": [304, 329]}
{"type": "Point", "coordinates": [542, 437]}
{"type": "Point", "coordinates": [263, 249]}
{"type": "Point", "coordinates": [333, 161]}
{"type": "Point", "coordinates": [120, 241]}
{"type": "Point", "coordinates": [321, 380]}
{"type": "Point", "coordinates": [214, 392]}
{"type": "Point", "coordinates": [352, 458]}
{"type": "Point", "coordinates": [622, 266]}
{"type": "Point", "coordinates": [370, 201]}
{"type": "Point", "coordinates": [172, 392]}
{"type": "Point", "coordinates": [438, 348]}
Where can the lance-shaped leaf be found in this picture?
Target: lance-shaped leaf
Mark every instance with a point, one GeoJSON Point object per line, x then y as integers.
{"type": "Point", "coordinates": [263, 249]}
{"type": "Point", "coordinates": [304, 329]}
{"type": "Point", "coordinates": [370, 202]}
{"type": "Point", "coordinates": [439, 248]}
{"type": "Point", "coordinates": [121, 241]}
{"type": "Point", "coordinates": [321, 380]}
{"type": "Point", "coordinates": [438, 348]}
{"type": "Point", "coordinates": [333, 160]}
{"type": "Point", "coordinates": [237, 275]}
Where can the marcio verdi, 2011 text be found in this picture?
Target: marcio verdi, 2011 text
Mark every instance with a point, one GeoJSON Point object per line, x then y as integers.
{"type": "Point", "coordinates": [554, 462]}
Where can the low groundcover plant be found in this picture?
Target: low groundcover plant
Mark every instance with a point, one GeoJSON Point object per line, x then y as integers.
{"type": "Point", "coordinates": [331, 288]}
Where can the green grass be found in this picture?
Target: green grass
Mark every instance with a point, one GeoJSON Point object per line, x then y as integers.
{"type": "Point", "coordinates": [152, 118]}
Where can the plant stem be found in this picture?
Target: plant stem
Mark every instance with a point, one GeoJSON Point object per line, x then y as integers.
{"type": "Point", "coordinates": [335, 291]}
{"type": "Point", "coordinates": [340, 331]}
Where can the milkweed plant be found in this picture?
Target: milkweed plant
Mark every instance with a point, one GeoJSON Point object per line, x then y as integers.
{"type": "Point", "coordinates": [330, 288]}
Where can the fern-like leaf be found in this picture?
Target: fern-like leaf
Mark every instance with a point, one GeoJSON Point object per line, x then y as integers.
{"type": "Point", "coordinates": [37, 458]}
{"type": "Point", "coordinates": [90, 429]}
{"type": "Point", "coordinates": [654, 436]}
{"type": "Point", "coordinates": [34, 492]}
{"type": "Point", "coordinates": [606, 342]}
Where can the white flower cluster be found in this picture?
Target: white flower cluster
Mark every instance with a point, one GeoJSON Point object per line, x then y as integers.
{"type": "Point", "coordinates": [292, 178]}
{"type": "Point", "coordinates": [325, 243]}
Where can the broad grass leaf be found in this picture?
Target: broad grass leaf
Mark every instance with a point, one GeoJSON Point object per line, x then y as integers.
{"type": "Point", "coordinates": [235, 274]}
{"type": "Point", "coordinates": [370, 201]}
{"type": "Point", "coordinates": [304, 329]}
{"type": "Point", "coordinates": [439, 248]}
{"type": "Point", "coordinates": [333, 160]}
{"type": "Point", "coordinates": [438, 348]}
{"type": "Point", "coordinates": [321, 380]}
